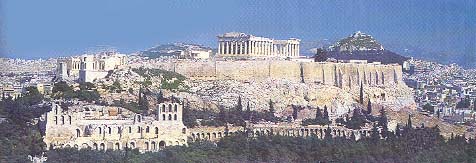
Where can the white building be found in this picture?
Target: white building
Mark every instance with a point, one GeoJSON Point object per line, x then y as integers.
{"type": "Point", "coordinates": [87, 68]}
{"type": "Point", "coordinates": [235, 44]}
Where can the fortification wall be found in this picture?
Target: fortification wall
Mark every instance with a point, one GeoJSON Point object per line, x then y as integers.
{"type": "Point", "coordinates": [347, 76]}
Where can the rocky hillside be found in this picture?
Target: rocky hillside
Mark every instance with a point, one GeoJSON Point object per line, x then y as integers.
{"type": "Point", "coordinates": [173, 49]}
{"type": "Point", "coordinates": [361, 46]}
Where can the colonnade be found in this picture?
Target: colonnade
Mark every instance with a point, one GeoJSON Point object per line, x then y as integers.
{"type": "Point", "coordinates": [258, 48]}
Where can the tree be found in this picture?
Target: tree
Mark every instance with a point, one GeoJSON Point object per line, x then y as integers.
{"type": "Point", "coordinates": [474, 105]}
{"type": "Point", "coordinates": [428, 107]}
{"type": "Point", "coordinates": [357, 121]}
{"type": "Point", "coordinates": [160, 97]}
{"type": "Point", "coordinates": [327, 134]}
{"type": "Point", "coordinates": [325, 116]}
{"type": "Point", "coordinates": [383, 122]}
{"type": "Point", "coordinates": [409, 122]}
{"type": "Point", "coordinates": [361, 95]}
{"type": "Point", "coordinates": [321, 55]}
{"type": "Point", "coordinates": [239, 105]}
{"type": "Point", "coordinates": [397, 131]}
{"type": "Point", "coordinates": [375, 135]}
{"type": "Point", "coordinates": [369, 107]}
{"type": "Point", "coordinates": [318, 113]}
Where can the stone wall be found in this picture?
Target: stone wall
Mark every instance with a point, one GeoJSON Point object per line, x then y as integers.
{"type": "Point", "coordinates": [347, 76]}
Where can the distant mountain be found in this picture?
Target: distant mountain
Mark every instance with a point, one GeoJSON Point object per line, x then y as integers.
{"type": "Point", "coordinates": [363, 47]}
{"type": "Point", "coordinates": [172, 49]}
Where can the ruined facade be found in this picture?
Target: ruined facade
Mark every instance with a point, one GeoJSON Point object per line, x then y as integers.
{"type": "Point", "coordinates": [103, 127]}
{"type": "Point", "coordinates": [87, 68]}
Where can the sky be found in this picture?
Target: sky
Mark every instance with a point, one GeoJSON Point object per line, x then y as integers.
{"type": "Point", "coordinates": [50, 28]}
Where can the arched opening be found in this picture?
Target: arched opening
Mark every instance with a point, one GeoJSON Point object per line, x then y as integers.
{"type": "Point", "coordinates": [154, 146]}
{"type": "Point", "coordinates": [62, 120]}
{"type": "Point", "coordinates": [117, 146]}
{"type": "Point", "coordinates": [147, 147]}
{"type": "Point", "coordinates": [214, 135]}
{"type": "Point", "coordinates": [147, 129]}
{"type": "Point", "coordinates": [163, 108]}
{"type": "Point", "coordinates": [56, 120]}
{"type": "Point", "coordinates": [95, 146]}
{"type": "Point", "coordinates": [119, 130]}
{"type": "Point", "coordinates": [69, 119]}
{"type": "Point", "coordinates": [102, 146]}
{"type": "Point", "coordinates": [56, 110]}
{"type": "Point", "coordinates": [78, 133]}
{"type": "Point", "coordinates": [219, 135]}
{"type": "Point", "coordinates": [109, 130]}
{"type": "Point", "coordinates": [84, 146]}
{"type": "Point", "coordinates": [163, 117]}
{"type": "Point", "coordinates": [170, 107]}
{"type": "Point", "coordinates": [133, 145]}
{"type": "Point", "coordinates": [100, 130]}
{"type": "Point", "coordinates": [138, 129]}
{"type": "Point", "coordinates": [161, 145]}
{"type": "Point", "coordinates": [175, 116]}
{"type": "Point", "coordinates": [184, 130]}
{"type": "Point", "coordinates": [175, 108]}
{"type": "Point", "coordinates": [130, 129]}
{"type": "Point", "coordinates": [156, 130]}
{"type": "Point", "coordinates": [193, 137]}
{"type": "Point", "coordinates": [170, 117]}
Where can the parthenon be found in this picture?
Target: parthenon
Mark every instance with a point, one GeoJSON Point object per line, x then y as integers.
{"type": "Point", "coordinates": [235, 44]}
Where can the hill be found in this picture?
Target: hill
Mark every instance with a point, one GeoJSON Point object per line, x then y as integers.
{"type": "Point", "coordinates": [362, 46]}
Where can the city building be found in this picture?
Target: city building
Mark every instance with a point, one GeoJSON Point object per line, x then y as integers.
{"type": "Point", "coordinates": [236, 44]}
{"type": "Point", "coordinates": [105, 127]}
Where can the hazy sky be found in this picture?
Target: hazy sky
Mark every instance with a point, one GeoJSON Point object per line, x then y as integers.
{"type": "Point", "coordinates": [45, 28]}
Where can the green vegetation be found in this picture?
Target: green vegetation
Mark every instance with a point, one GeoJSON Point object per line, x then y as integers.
{"type": "Point", "coordinates": [18, 136]}
{"type": "Point", "coordinates": [86, 92]}
{"type": "Point", "coordinates": [170, 80]}
{"type": "Point", "coordinates": [427, 107]}
{"type": "Point", "coordinates": [236, 116]}
{"type": "Point", "coordinates": [410, 145]}
{"type": "Point", "coordinates": [321, 118]}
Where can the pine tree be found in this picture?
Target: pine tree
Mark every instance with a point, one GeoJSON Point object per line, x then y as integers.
{"type": "Point", "coordinates": [361, 96]}
{"type": "Point", "coordinates": [328, 135]}
{"type": "Point", "coordinates": [383, 122]}
{"type": "Point", "coordinates": [409, 122]}
{"type": "Point", "coordinates": [271, 107]}
{"type": "Point", "coordinates": [160, 97]}
{"type": "Point", "coordinates": [248, 112]}
{"type": "Point", "coordinates": [397, 131]}
{"type": "Point", "coordinates": [369, 107]}
{"type": "Point", "coordinates": [375, 135]}
{"type": "Point", "coordinates": [325, 116]}
{"type": "Point", "coordinates": [239, 106]}
{"type": "Point", "coordinates": [318, 113]}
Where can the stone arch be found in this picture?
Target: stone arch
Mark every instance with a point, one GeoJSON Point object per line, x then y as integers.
{"type": "Point", "coordinates": [193, 137]}
{"type": "Point", "coordinates": [153, 145]}
{"type": "Point", "coordinates": [117, 146]}
{"type": "Point", "coordinates": [163, 107]}
{"type": "Point", "coordinates": [184, 130]}
{"type": "Point", "coordinates": [132, 144]}
{"type": "Point", "coordinates": [147, 147]}
{"type": "Point", "coordinates": [156, 130]}
{"type": "Point", "coordinates": [163, 117]}
{"type": "Point", "coordinates": [78, 133]}
{"type": "Point", "coordinates": [95, 146]}
{"type": "Point", "coordinates": [214, 135]}
{"type": "Point", "coordinates": [147, 129]}
{"type": "Point", "coordinates": [109, 130]}
{"type": "Point", "coordinates": [100, 130]}
{"type": "Point", "coordinates": [175, 116]}
{"type": "Point", "coordinates": [102, 146]}
{"type": "Point", "coordinates": [162, 144]}
{"type": "Point", "coordinates": [138, 129]}
{"type": "Point", "coordinates": [84, 146]}
{"type": "Point", "coordinates": [56, 110]}
{"type": "Point", "coordinates": [130, 129]}
{"type": "Point", "coordinates": [170, 107]}
{"type": "Point", "coordinates": [56, 120]}
{"type": "Point", "coordinates": [62, 119]}
{"type": "Point", "coordinates": [170, 117]}
{"type": "Point", "coordinates": [208, 136]}
{"type": "Point", "coordinates": [175, 108]}
{"type": "Point", "coordinates": [219, 135]}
